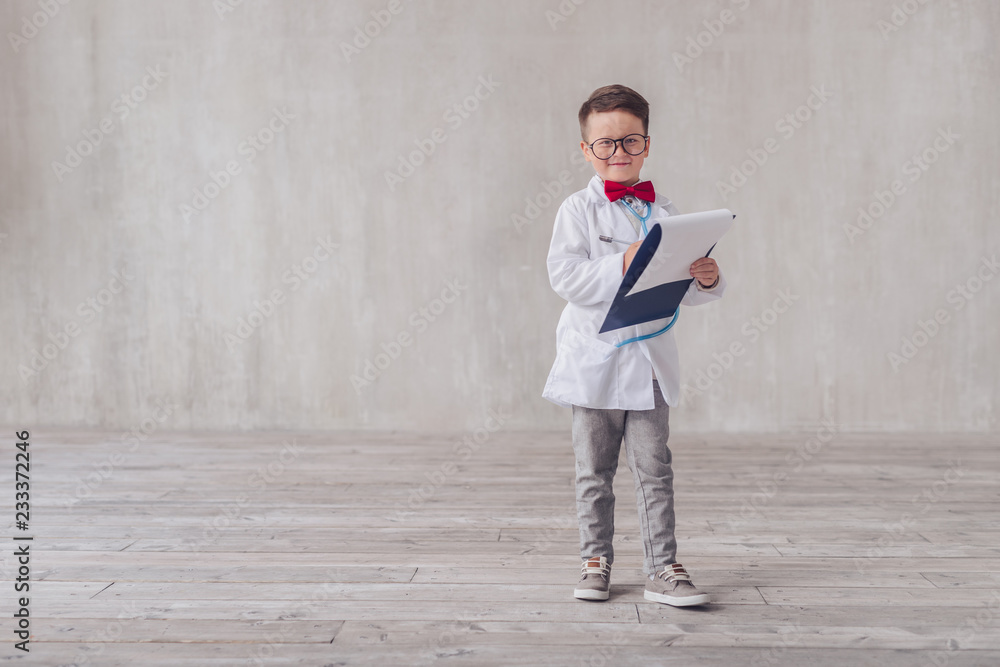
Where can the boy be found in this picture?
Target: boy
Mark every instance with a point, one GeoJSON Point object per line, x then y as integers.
{"type": "Point", "coordinates": [618, 393]}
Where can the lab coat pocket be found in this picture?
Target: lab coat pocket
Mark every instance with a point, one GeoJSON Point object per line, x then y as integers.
{"type": "Point", "coordinates": [586, 370]}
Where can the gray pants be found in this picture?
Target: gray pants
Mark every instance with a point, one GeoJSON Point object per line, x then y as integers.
{"type": "Point", "coordinates": [597, 441]}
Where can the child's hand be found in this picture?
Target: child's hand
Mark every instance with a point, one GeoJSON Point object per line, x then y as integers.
{"type": "Point", "coordinates": [630, 255]}
{"type": "Point", "coordinates": [705, 271]}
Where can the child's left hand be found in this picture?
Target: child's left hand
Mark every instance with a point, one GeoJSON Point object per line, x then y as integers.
{"type": "Point", "coordinates": [705, 271]}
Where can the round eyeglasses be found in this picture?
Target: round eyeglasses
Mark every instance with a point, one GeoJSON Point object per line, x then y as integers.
{"type": "Point", "coordinates": [633, 144]}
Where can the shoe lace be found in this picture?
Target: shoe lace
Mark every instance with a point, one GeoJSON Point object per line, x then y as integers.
{"type": "Point", "coordinates": [674, 573]}
{"type": "Point", "coordinates": [596, 566]}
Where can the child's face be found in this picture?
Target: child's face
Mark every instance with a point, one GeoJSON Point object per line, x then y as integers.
{"type": "Point", "coordinates": [620, 167]}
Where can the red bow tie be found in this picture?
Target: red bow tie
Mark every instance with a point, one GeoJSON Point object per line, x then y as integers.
{"type": "Point", "coordinates": [616, 191]}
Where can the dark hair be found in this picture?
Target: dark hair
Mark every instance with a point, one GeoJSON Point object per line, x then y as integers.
{"type": "Point", "coordinates": [610, 98]}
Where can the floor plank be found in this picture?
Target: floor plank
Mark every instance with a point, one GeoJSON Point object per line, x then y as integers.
{"type": "Point", "coordinates": [880, 550]}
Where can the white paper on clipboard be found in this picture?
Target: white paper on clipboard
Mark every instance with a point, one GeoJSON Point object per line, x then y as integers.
{"type": "Point", "coordinates": [685, 238]}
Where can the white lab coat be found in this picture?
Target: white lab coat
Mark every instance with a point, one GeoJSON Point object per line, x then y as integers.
{"type": "Point", "coordinates": [589, 370]}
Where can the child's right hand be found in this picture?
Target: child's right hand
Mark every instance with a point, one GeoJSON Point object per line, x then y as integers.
{"type": "Point", "coordinates": [630, 255]}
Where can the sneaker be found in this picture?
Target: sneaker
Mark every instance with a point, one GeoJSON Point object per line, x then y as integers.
{"type": "Point", "coordinates": [595, 580]}
{"type": "Point", "coordinates": [673, 586]}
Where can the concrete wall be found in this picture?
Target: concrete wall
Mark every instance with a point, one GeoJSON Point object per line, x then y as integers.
{"type": "Point", "coordinates": [436, 257]}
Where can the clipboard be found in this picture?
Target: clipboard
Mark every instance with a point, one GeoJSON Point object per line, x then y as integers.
{"type": "Point", "coordinates": [652, 287]}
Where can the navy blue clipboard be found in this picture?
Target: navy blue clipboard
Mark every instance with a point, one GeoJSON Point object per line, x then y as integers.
{"type": "Point", "coordinates": [653, 304]}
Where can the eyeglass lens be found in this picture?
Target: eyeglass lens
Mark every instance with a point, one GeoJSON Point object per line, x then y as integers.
{"type": "Point", "coordinates": [633, 144]}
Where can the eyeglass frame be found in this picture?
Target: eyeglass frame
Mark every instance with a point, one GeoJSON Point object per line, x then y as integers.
{"type": "Point", "coordinates": [622, 142]}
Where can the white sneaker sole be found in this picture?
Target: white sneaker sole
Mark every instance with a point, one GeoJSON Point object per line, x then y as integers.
{"type": "Point", "coordinates": [590, 594]}
{"type": "Point", "coordinates": [685, 601]}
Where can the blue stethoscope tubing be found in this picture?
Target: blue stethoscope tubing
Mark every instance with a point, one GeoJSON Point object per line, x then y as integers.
{"type": "Point", "coordinates": [645, 233]}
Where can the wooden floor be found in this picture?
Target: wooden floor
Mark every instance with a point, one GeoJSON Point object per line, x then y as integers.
{"type": "Point", "coordinates": [395, 549]}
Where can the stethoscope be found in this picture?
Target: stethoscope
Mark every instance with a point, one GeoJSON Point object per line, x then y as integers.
{"type": "Point", "coordinates": [645, 232]}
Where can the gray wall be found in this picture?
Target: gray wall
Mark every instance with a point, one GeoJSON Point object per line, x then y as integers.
{"type": "Point", "coordinates": [161, 351]}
